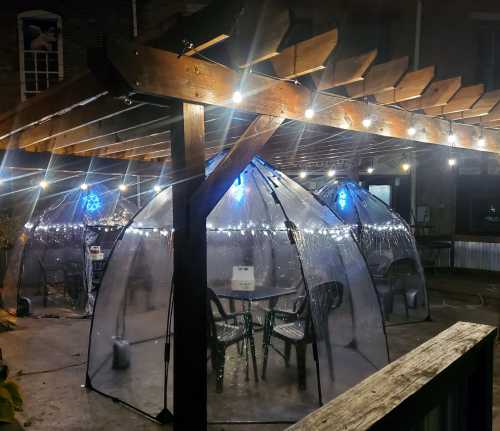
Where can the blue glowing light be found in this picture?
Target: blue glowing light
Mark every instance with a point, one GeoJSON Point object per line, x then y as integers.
{"type": "Point", "coordinates": [342, 199]}
{"type": "Point", "coordinates": [91, 203]}
{"type": "Point", "coordinates": [238, 189]}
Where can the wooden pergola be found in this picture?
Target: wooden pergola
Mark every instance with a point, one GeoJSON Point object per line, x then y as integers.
{"type": "Point", "coordinates": [139, 102]}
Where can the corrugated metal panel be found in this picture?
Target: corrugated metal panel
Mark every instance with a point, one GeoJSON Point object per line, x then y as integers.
{"type": "Point", "coordinates": [474, 255]}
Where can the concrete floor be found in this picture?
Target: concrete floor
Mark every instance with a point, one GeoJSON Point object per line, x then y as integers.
{"type": "Point", "coordinates": [47, 358]}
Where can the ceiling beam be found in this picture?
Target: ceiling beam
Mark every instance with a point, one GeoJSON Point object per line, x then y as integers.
{"type": "Point", "coordinates": [410, 87]}
{"type": "Point", "coordinates": [112, 150]}
{"type": "Point", "coordinates": [143, 151]}
{"type": "Point", "coordinates": [200, 81]}
{"type": "Point", "coordinates": [437, 94]}
{"type": "Point", "coordinates": [493, 115]}
{"type": "Point", "coordinates": [463, 100]}
{"type": "Point", "coordinates": [69, 94]}
{"type": "Point", "coordinates": [218, 182]}
{"type": "Point", "coordinates": [380, 78]}
{"type": "Point", "coordinates": [482, 107]}
{"type": "Point", "coordinates": [344, 72]}
{"type": "Point", "coordinates": [305, 57]}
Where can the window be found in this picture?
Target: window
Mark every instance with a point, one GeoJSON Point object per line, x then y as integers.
{"type": "Point", "coordinates": [40, 51]}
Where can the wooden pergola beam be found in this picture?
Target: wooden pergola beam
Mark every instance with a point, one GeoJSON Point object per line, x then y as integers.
{"type": "Point", "coordinates": [108, 130]}
{"type": "Point", "coordinates": [74, 92]}
{"type": "Point", "coordinates": [146, 150]}
{"type": "Point", "coordinates": [344, 72]}
{"type": "Point", "coordinates": [118, 149]}
{"type": "Point", "coordinates": [203, 82]}
{"type": "Point", "coordinates": [438, 93]}
{"type": "Point", "coordinates": [380, 78]}
{"type": "Point", "coordinates": [493, 115]}
{"type": "Point", "coordinates": [463, 100]}
{"type": "Point", "coordinates": [482, 107]}
{"type": "Point", "coordinates": [305, 57]}
{"type": "Point", "coordinates": [410, 87]}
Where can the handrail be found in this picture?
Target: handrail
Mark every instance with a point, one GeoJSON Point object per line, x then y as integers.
{"type": "Point", "coordinates": [452, 371]}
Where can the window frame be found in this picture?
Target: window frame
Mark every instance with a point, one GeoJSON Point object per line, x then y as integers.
{"type": "Point", "coordinates": [38, 14]}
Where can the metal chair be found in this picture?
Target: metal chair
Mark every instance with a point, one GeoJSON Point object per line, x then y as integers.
{"type": "Point", "coordinates": [224, 330]}
{"type": "Point", "coordinates": [300, 327]}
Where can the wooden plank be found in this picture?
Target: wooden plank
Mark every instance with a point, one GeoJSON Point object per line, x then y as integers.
{"type": "Point", "coordinates": [437, 94]}
{"type": "Point", "coordinates": [111, 127]}
{"type": "Point", "coordinates": [482, 107]}
{"type": "Point", "coordinates": [344, 72]}
{"type": "Point", "coordinates": [369, 403]}
{"type": "Point", "coordinates": [306, 56]}
{"type": "Point", "coordinates": [463, 100]}
{"type": "Point", "coordinates": [240, 155]}
{"type": "Point", "coordinates": [200, 81]}
{"type": "Point", "coordinates": [493, 115]}
{"type": "Point", "coordinates": [203, 29]}
{"type": "Point", "coordinates": [144, 150]}
{"type": "Point", "coordinates": [143, 141]}
{"type": "Point", "coordinates": [261, 29]}
{"type": "Point", "coordinates": [190, 271]}
{"type": "Point", "coordinates": [130, 135]}
{"type": "Point", "coordinates": [82, 116]}
{"type": "Point", "coordinates": [380, 78]}
{"type": "Point", "coordinates": [411, 86]}
{"type": "Point", "coordinates": [84, 88]}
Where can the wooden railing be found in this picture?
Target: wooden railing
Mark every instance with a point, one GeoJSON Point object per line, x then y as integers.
{"type": "Point", "coordinates": [445, 384]}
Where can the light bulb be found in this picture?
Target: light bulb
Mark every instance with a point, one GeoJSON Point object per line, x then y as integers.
{"type": "Point", "coordinates": [367, 122]}
{"type": "Point", "coordinates": [309, 113]}
{"type": "Point", "coordinates": [411, 131]}
{"type": "Point", "coordinates": [481, 142]}
{"type": "Point", "coordinates": [370, 170]}
{"type": "Point", "coordinates": [331, 173]}
{"type": "Point", "coordinates": [122, 187]}
{"type": "Point", "coordinates": [84, 186]}
{"type": "Point", "coordinates": [43, 184]}
{"type": "Point", "coordinates": [452, 162]}
{"type": "Point", "coordinates": [157, 188]}
{"type": "Point", "coordinates": [237, 97]}
{"type": "Point", "coordinates": [302, 174]}
{"type": "Point", "coordinates": [406, 167]}
{"type": "Point", "coordinates": [451, 138]}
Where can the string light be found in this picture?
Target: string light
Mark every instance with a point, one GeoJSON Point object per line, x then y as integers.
{"type": "Point", "coordinates": [451, 138]}
{"type": "Point", "coordinates": [302, 174]}
{"type": "Point", "coordinates": [309, 113]}
{"type": "Point", "coordinates": [367, 122]}
{"type": "Point", "coordinates": [84, 186]}
{"type": "Point", "coordinates": [237, 97]}
{"type": "Point", "coordinates": [406, 166]}
{"type": "Point", "coordinates": [452, 162]}
{"type": "Point", "coordinates": [331, 173]}
{"type": "Point", "coordinates": [157, 188]}
{"type": "Point", "coordinates": [370, 170]}
{"type": "Point", "coordinates": [481, 141]}
{"type": "Point", "coordinates": [411, 131]}
{"type": "Point", "coordinates": [122, 187]}
{"type": "Point", "coordinates": [43, 184]}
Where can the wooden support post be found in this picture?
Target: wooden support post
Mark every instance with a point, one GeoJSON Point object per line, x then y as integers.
{"type": "Point", "coordinates": [190, 253]}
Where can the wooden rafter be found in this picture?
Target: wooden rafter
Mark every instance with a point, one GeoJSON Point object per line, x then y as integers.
{"type": "Point", "coordinates": [437, 94]}
{"type": "Point", "coordinates": [410, 87]}
{"type": "Point", "coordinates": [482, 107]}
{"type": "Point", "coordinates": [492, 116]}
{"type": "Point", "coordinates": [380, 78]}
{"type": "Point", "coordinates": [305, 57]}
{"type": "Point", "coordinates": [344, 72]}
{"type": "Point", "coordinates": [143, 151]}
{"type": "Point", "coordinates": [117, 149]}
{"type": "Point", "coordinates": [463, 100]}
{"type": "Point", "coordinates": [214, 84]}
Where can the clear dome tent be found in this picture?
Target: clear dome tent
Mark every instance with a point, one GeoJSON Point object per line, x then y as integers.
{"type": "Point", "coordinates": [51, 263]}
{"type": "Point", "coordinates": [389, 247]}
{"type": "Point", "coordinates": [285, 279]}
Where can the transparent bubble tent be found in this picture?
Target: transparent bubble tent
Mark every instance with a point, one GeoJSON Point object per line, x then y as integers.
{"type": "Point", "coordinates": [51, 264]}
{"type": "Point", "coordinates": [389, 247]}
{"type": "Point", "coordinates": [293, 316]}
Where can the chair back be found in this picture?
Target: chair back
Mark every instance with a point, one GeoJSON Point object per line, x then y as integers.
{"type": "Point", "coordinates": [213, 300]}
{"type": "Point", "coordinates": [402, 268]}
{"type": "Point", "coordinates": [322, 299]}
